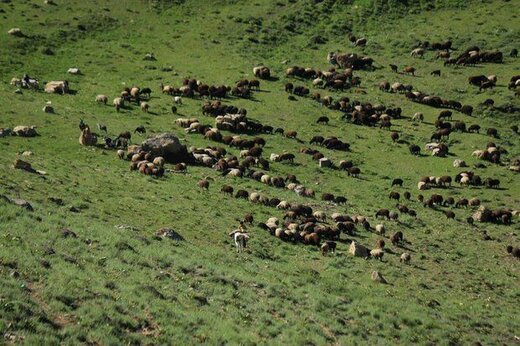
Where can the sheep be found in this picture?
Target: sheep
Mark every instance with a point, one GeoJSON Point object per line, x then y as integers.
{"type": "Point", "coordinates": [380, 229]}
{"type": "Point", "coordinates": [121, 154]}
{"type": "Point", "coordinates": [226, 189]}
{"type": "Point", "coordinates": [203, 184]}
{"type": "Point", "coordinates": [397, 181]}
{"type": "Point", "coordinates": [159, 161]}
{"type": "Point", "coordinates": [377, 253]}
{"type": "Point", "coordinates": [405, 257]}
{"type": "Point", "coordinates": [102, 99]}
{"type": "Point", "coordinates": [145, 106]}
{"type": "Point", "coordinates": [284, 205]}
{"type": "Point", "coordinates": [418, 117]}
{"type": "Point", "coordinates": [396, 238]}
{"type": "Point", "coordinates": [320, 215]}
{"type": "Point", "coordinates": [118, 103]}
{"type": "Point", "coordinates": [417, 53]}
{"type": "Point", "coordinates": [410, 70]}
{"type": "Point", "coordinates": [177, 100]}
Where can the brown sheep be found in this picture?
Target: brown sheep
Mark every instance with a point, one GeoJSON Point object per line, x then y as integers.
{"type": "Point", "coordinates": [410, 70]}
{"type": "Point", "coordinates": [226, 189]}
{"type": "Point", "coordinates": [203, 184]}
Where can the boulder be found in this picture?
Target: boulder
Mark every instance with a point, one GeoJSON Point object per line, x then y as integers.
{"type": "Point", "coordinates": [377, 277]}
{"type": "Point", "coordinates": [168, 146]}
{"type": "Point", "coordinates": [169, 233]}
{"type": "Point", "coordinates": [25, 131]}
{"type": "Point", "coordinates": [483, 214]}
{"type": "Point", "coordinates": [459, 163]}
{"type": "Point", "coordinates": [358, 250]}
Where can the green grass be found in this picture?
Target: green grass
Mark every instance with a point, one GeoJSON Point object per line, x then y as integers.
{"type": "Point", "coordinates": [114, 285]}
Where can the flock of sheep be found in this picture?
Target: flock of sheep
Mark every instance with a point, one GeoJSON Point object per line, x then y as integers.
{"type": "Point", "coordinates": [301, 223]}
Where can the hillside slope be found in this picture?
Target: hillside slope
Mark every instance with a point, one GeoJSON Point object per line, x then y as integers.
{"type": "Point", "coordinates": [112, 281]}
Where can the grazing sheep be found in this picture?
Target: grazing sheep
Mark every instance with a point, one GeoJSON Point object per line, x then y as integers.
{"type": "Point", "coordinates": [145, 106]}
{"type": "Point", "coordinates": [177, 100]}
{"type": "Point", "coordinates": [418, 117]}
{"type": "Point", "coordinates": [328, 246]}
{"type": "Point", "coordinates": [203, 184]}
{"type": "Point", "coordinates": [405, 257]}
{"type": "Point", "coordinates": [226, 189]}
{"type": "Point", "coordinates": [118, 103]}
{"type": "Point", "coordinates": [159, 161]}
{"type": "Point", "coordinates": [102, 99]}
{"type": "Point", "coordinates": [377, 253]}
{"type": "Point", "coordinates": [396, 238]}
{"type": "Point", "coordinates": [410, 70]}
{"type": "Point", "coordinates": [121, 154]}
{"type": "Point", "coordinates": [417, 53]}
{"type": "Point", "coordinates": [397, 181]}
{"type": "Point", "coordinates": [380, 229]}
{"type": "Point", "coordinates": [394, 136]}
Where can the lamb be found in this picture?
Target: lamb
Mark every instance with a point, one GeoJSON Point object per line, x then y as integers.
{"type": "Point", "coordinates": [102, 99]}
{"type": "Point", "coordinates": [397, 238]}
{"type": "Point", "coordinates": [405, 257]}
{"type": "Point", "coordinates": [397, 181]}
{"type": "Point", "coordinates": [380, 229]}
{"type": "Point", "coordinates": [177, 100]}
{"type": "Point", "coordinates": [417, 53]}
{"type": "Point", "coordinates": [121, 154]}
{"type": "Point", "coordinates": [226, 189]}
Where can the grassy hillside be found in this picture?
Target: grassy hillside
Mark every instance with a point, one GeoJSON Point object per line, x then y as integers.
{"type": "Point", "coordinates": [115, 283]}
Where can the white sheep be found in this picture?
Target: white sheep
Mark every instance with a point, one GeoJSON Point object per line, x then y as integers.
{"type": "Point", "coordinates": [265, 179]}
{"type": "Point", "coordinates": [320, 215]}
{"type": "Point", "coordinates": [377, 253]}
{"type": "Point", "coordinates": [283, 205]}
{"type": "Point", "coordinates": [274, 157]}
{"type": "Point", "coordinates": [102, 99]}
{"type": "Point", "coordinates": [405, 257]}
{"type": "Point", "coordinates": [235, 172]}
{"type": "Point", "coordinates": [418, 117]}
{"type": "Point", "coordinates": [159, 161]}
{"type": "Point", "coordinates": [254, 197]}
{"type": "Point", "coordinates": [145, 106]}
{"type": "Point", "coordinates": [177, 100]}
{"type": "Point", "coordinates": [273, 220]}
{"type": "Point", "coordinates": [121, 154]}
{"type": "Point", "coordinates": [380, 229]}
{"type": "Point", "coordinates": [422, 185]}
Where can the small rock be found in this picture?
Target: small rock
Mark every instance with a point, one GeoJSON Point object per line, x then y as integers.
{"type": "Point", "coordinates": [377, 277]}
{"type": "Point", "coordinates": [169, 233]}
{"type": "Point", "coordinates": [27, 153]}
{"type": "Point", "coordinates": [73, 70]}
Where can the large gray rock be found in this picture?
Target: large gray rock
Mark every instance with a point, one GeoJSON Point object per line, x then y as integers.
{"type": "Point", "coordinates": [168, 146]}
